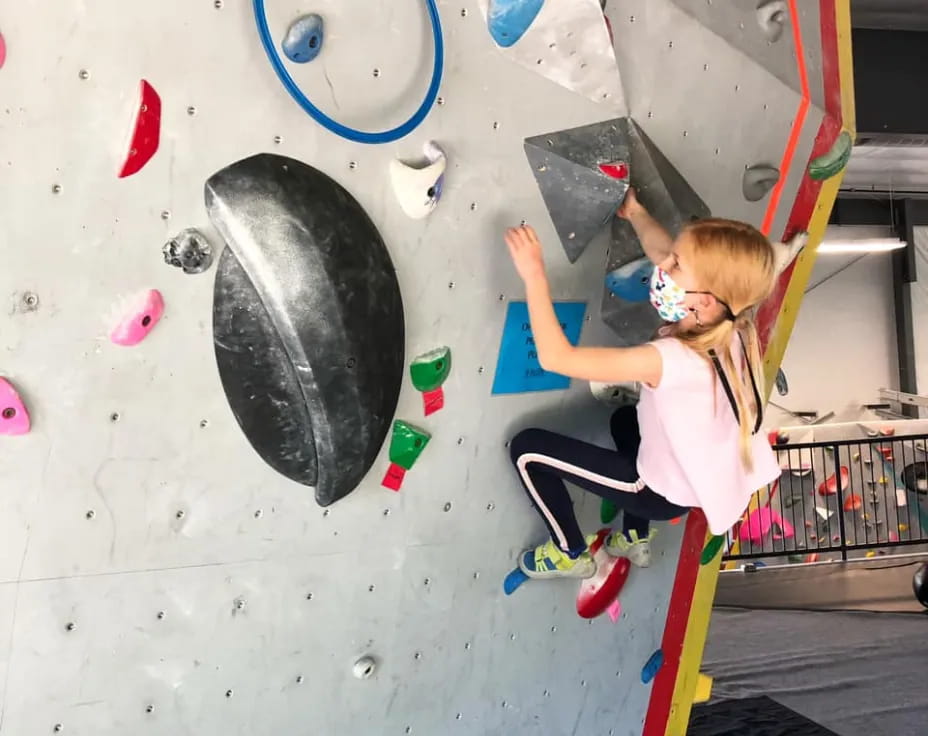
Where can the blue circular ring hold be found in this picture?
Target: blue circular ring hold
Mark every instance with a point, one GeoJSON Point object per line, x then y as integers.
{"type": "Point", "coordinates": [358, 136]}
{"type": "Point", "coordinates": [631, 282]}
{"type": "Point", "coordinates": [303, 41]}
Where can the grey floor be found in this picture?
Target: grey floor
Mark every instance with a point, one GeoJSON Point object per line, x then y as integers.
{"type": "Point", "coordinates": [857, 673]}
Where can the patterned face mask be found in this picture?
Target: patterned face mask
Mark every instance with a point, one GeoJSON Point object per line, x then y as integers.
{"type": "Point", "coordinates": [667, 296]}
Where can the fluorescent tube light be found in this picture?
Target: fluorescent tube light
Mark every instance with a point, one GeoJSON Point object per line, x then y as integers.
{"type": "Point", "coordinates": [867, 245]}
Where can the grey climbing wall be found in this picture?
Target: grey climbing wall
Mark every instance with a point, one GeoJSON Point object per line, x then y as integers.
{"type": "Point", "coordinates": [155, 574]}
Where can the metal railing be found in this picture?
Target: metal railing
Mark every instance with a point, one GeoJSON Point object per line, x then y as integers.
{"type": "Point", "coordinates": [839, 500]}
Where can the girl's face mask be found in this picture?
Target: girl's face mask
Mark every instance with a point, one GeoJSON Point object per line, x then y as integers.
{"type": "Point", "coordinates": [667, 296]}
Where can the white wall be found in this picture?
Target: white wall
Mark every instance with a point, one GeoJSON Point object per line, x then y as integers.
{"type": "Point", "coordinates": [843, 347]}
{"type": "Point", "coordinates": [919, 295]}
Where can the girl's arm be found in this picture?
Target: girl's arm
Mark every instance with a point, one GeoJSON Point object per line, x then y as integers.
{"type": "Point", "coordinates": [555, 353]}
{"type": "Point", "coordinates": [655, 241]}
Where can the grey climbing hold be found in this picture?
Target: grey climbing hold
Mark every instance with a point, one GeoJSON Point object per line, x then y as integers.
{"type": "Point", "coordinates": [580, 196]}
{"type": "Point", "coordinates": [670, 200]}
{"type": "Point", "coordinates": [189, 250]}
{"type": "Point", "coordinates": [772, 16]}
{"type": "Point", "coordinates": [758, 181]}
{"type": "Point", "coordinates": [303, 41]}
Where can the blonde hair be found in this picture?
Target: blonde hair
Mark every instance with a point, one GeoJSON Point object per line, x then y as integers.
{"type": "Point", "coordinates": [736, 263]}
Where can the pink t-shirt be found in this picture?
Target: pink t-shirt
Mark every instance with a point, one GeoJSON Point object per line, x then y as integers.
{"type": "Point", "coordinates": [689, 450]}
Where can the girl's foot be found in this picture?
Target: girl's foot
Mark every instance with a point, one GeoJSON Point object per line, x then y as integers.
{"type": "Point", "coordinates": [549, 561]}
{"type": "Point", "coordinates": [638, 551]}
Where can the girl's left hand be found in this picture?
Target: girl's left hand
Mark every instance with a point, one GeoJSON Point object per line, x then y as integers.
{"type": "Point", "coordinates": [525, 249]}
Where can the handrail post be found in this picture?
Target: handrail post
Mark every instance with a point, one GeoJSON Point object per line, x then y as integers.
{"type": "Point", "coordinates": [837, 453]}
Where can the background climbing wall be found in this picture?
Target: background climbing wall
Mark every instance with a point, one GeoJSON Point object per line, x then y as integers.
{"type": "Point", "coordinates": [154, 572]}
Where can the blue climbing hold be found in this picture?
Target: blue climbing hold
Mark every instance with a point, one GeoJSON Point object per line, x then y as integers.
{"type": "Point", "coordinates": [631, 282]}
{"type": "Point", "coordinates": [508, 20]}
{"type": "Point", "coordinates": [303, 41]}
{"type": "Point", "coordinates": [654, 663]}
{"type": "Point", "coordinates": [513, 581]}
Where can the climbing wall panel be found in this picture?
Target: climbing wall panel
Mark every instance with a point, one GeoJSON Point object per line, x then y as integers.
{"type": "Point", "coordinates": [136, 494]}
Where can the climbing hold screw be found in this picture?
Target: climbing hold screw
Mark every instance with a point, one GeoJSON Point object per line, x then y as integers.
{"type": "Point", "coordinates": [376, 72]}
{"type": "Point", "coordinates": [180, 514]}
{"type": "Point", "coordinates": [30, 301]}
{"type": "Point", "coordinates": [191, 110]}
{"type": "Point", "coordinates": [299, 679]}
{"type": "Point", "coordinates": [149, 708]}
{"type": "Point", "coordinates": [58, 728]}
{"type": "Point", "coordinates": [229, 693]}
{"type": "Point", "coordinates": [83, 74]}
{"type": "Point", "coordinates": [70, 626]}
{"type": "Point", "coordinates": [56, 188]}
{"type": "Point", "coordinates": [161, 615]}
{"type": "Point", "coordinates": [240, 604]}
{"type": "Point", "coordinates": [114, 417]}
{"type": "Point", "coordinates": [448, 506]}
{"type": "Point", "coordinates": [90, 514]}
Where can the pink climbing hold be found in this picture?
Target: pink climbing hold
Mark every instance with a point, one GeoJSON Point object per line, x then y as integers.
{"type": "Point", "coordinates": [14, 419]}
{"type": "Point", "coordinates": [597, 593]}
{"type": "Point", "coordinates": [2, 50]}
{"type": "Point", "coordinates": [147, 132]}
{"type": "Point", "coordinates": [760, 522]}
{"type": "Point", "coordinates": [137, 318]}
{"type": "Point", "coordinates": [614, 610]}
{"type": "Point", "coordinates": [617, 170]}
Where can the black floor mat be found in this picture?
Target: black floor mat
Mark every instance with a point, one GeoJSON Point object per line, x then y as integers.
{"type": "Point", "coordinates": [751, 717]}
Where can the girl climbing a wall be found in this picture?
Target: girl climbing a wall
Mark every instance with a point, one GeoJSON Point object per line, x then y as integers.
{"type": "Point", "coordinates": [693, 440]}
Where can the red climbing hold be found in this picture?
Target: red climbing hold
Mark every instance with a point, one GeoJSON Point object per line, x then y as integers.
{"type": "Point", "coordinates": [853, 503]}
{"type": "Point", "coordinates": [617, 170]}
{"type": "Point", "coordinates": [394, 477]}
{"type": "Point", "coordinates": [147, 132]}
{"type": "Point", "coordinates": [14, 419]}
{"type": "Point", "coordinates": [432, 401]}
{"type": "Point", "coordinates": [829, 487]}
{"type": "Point", "coordinates": [597, 593]}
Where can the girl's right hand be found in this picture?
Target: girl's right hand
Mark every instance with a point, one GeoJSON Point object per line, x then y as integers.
{"type": "Point", "coordinates": [630, 205]}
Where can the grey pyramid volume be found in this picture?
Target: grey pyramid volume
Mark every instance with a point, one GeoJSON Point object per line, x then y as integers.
{"type": "Point", "coordinates": [581, 199]}
{"type": "Point", "coordinates": [670, 200]}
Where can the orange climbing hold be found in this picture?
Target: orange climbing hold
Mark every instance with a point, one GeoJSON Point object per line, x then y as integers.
{"type": "Point", "coordinates": [146, 134]}
{"type": "Point", "coordinates": [853, 503]}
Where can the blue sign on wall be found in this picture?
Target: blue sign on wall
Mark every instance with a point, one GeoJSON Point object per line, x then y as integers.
{"type": "Point", "coordinates": [517, 368]}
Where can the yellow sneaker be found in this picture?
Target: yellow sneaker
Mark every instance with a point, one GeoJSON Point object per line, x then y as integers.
{"type": "Point", "coordinates": [638, 551]}
{"type": "Point", "coordinates": [549, 561]}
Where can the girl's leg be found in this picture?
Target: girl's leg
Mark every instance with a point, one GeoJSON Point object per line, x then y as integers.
{"type": "Point", "coordinates": [625, 434]}
{"type": "Point", "coordinates": [544, 460]}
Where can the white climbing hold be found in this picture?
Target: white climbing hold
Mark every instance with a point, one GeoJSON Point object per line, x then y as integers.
{"type": "Point", "coordinates": [418, 188]}
{"type": "Point", "coordinates": [616, 394]}
{"type": "Point", "coordinates": [364, 668]}
{"type": "Point", "coordinates": [772, 17]}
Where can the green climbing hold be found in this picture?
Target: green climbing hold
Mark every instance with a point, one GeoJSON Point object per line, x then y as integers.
{"type": "Point", "coordinates": [607, 511]}
{"type": "Point", "coordinates": [407, 444]}
{"type": "Point", "coordinates": [711, 549]}
{"type": "Point", "coordinates": [833, 162]}
{"type": "Point", "coordinates": [430, 369]}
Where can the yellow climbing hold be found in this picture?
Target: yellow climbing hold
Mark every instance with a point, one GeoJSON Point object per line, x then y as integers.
{"type": "Point", "coordinates": [871, 553]}
{"type": "Point", "coordinates": [883, 480]}
{"type": "Point", "coordinates": [856, 457]}
{"type": "Point", "coordinates": [703, 688]}
{"type": "Point", "coordinates": [903, 527]}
